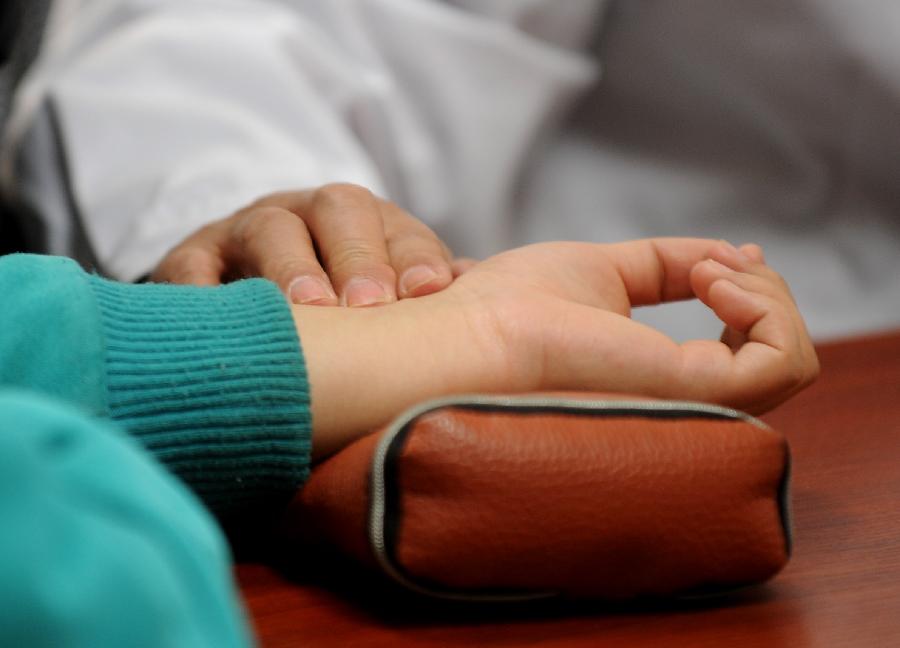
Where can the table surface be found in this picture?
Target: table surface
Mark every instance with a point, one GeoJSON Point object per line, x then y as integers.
{"type": "Point", "coordinates": [841, 588]}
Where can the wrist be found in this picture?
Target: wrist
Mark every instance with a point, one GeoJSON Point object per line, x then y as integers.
{"type": "Point", "coordinates": [367, 365]}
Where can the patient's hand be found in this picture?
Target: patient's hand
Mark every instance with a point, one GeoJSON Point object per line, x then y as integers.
{"type": "Point", "coordinates": [338, 244]}
{"type": "Point", "coordinates": [556, 317]}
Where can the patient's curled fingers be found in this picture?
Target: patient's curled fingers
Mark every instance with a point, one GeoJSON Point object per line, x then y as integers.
{"type": "Point", "coordinates": [726, 262]}
{"type": "Point", "coordinates": [704, 274]}
{"type": "Point", "coordinates": [762, 280]}
{"type": "Point", "coordinates": [272, 242]}
{"type": "Point", "coordinates": [766, 354]}
{"type": "Point", "coordinates": [732, 257]}
{"type": "Point", "coordinates": [761, 318]}
{"type": "Point", "coordinates": [770, 356]}
{"type": "Point", "coordinates": [658, 270]}
{"type": "Point", "coordinates": [741, 300]}
{"type": "Point", "coordinates": [589, 342]}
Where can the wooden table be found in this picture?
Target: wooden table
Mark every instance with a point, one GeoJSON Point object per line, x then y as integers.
{"type": "Point", "coordinates": [841, 588]}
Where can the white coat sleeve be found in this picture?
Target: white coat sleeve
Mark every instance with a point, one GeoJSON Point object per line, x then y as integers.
{"type": "Point", "coordinates": [144, 119]}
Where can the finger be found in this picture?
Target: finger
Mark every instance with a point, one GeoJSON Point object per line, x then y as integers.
{"type": "Point", "coordinates": [705, 273]}
{"type": "Point", "coordinates": [274, 243]}
{"type": "Point", "coordinates": [197, 260]}
{"type": "Point", "coordinates": [767, 369]}
{"type": "Point", "coordinates": [192, 262]}
{"type": "Point", "coordinates": [763, 281]}
{"type": "Point", "coordinates": [615, 277]}
{"type": "Point", "coordinates": [759, 279]}
{"type": "Point", "coordinates": [418, 256]}
{"type": "Point", "coordinates": [762, 318]}
{"type": "Point", "coordinates": [345, 221]}
{"type": "Point", "coordinates": [736, 259]}
{"type": "Point", "coordinates": [658, 270]}
{"type": "Point", "coordinates": [461, 265]}
{"type": "Point", "coordinates": [603, 351]}
{"type": "Point", "coordinates": [754, 252]}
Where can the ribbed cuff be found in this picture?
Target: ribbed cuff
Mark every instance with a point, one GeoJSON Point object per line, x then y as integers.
{"type": "Point", "coordinates": [212, 382]}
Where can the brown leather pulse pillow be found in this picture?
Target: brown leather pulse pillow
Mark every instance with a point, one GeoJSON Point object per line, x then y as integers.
{"type": "Point", "coordinates": [518, 497]}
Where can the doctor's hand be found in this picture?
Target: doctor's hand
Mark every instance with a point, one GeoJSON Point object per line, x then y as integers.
{"type": "Point", "coordinates": [555, 316]}
{"type": "Point", "coordinates": [338, 244]}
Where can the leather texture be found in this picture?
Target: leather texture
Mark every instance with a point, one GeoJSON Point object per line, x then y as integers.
{"type": "Point", "coordinates": [600, 504]}
{"type": "Point", "coordinates": [331, 510]}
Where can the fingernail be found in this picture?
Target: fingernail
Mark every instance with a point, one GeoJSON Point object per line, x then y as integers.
{"type": "Point", "coordinates": [416, 277]}
{"type": "Point", "coordinates": [364, 292]}
{"type": "Point", "coordinates": [309, 291]}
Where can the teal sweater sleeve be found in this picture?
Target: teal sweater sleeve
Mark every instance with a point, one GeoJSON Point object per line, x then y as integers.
{"type": "Point", "coordinates": [210, 380]}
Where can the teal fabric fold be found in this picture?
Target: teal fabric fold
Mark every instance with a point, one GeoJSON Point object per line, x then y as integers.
{"type": "Point", "coordinates": [99, 545]}
{"type": "Point", "coordinates": [49, 335]}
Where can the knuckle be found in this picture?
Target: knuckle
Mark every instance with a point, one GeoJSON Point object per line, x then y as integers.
{"type": "Point", "coordinates": [784, 286]}
{"type": "Point", "coordinates": [775, 276]}
{"type": "Point", "coordinates": [256, 222]}
{"type": "Point", "coordinates": [399, 224]}
{"type": "Point", "coordinates": [185, 257]}
{"type": "Point", "coordinates": [415, 240]}
{"type": "Point", "coordinates": [339, 193]}
{"type": "Point", "coordinates": [354, 254]}
{"type": "Point", "coordinates": [792, 373]}
{"type": "Point", "coordinates": [753, 248]}
{"type": "Point", "coordinates": [274, 198]}
{"type": "Point", "coordinates": [772, 276]}
{"type": "Point", "coordinates": [269, 213]}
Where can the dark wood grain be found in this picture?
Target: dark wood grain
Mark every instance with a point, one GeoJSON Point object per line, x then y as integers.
{"type": "Point", "coordinates": [842, 587]}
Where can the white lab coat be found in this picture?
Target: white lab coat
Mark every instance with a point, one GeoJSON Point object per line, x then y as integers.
{"type": "Point", "coordinates": [772, 123]}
